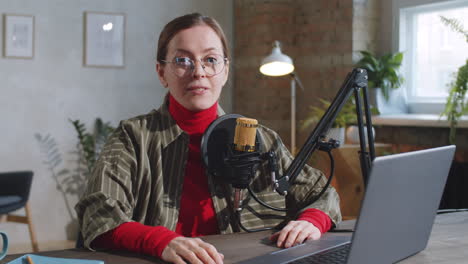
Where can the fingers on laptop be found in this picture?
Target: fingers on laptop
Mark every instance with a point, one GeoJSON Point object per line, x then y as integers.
{"type": "Point", "coordinates": [294, 233]}
{"type": "Point", "coordinates": [183, 250]}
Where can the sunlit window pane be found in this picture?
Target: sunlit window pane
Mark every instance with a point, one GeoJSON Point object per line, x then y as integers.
{"type": "Point", "coordinates": [438, 52]}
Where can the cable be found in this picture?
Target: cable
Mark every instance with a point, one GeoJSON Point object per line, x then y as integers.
{"type": "Point", "coordinates": [265, 204]}
{"type": "Point", "coordinates": [332, 172]}
{"type": "Point", "coordinates": [308, 196]}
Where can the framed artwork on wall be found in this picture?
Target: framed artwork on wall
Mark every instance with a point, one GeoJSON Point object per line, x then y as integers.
{"type": "Point", "coordinates": [18, 36]}
{"type": "Point", "coordinates": [104, 39]}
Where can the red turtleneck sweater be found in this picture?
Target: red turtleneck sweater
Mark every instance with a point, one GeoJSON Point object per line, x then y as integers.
{"type": "Point", "coordinates": [197, 216]}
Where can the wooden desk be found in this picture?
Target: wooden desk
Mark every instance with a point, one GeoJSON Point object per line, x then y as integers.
{"type": "Point", "coordinates": [448, 244]}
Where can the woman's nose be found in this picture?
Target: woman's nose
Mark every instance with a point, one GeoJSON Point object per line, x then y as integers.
{"type": "Point", "coordinates": [198, 69]}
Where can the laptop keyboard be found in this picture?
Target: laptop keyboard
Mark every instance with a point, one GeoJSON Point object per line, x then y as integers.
{"type": "Point", "coordinates": [336, 255]}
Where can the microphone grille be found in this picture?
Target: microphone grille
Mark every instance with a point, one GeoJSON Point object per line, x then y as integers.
{"type": "Point", "coordinates": [244, 135]}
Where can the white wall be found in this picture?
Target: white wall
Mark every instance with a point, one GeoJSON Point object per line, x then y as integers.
{"type": "Point", "coordinates": [40, 95]}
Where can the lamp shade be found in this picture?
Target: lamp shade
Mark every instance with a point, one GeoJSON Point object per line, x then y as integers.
{"type": "Point", "coordinates": [277, 63]}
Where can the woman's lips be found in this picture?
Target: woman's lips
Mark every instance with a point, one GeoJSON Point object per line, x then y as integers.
{"type": "Point", "coordinates": [198, 90]}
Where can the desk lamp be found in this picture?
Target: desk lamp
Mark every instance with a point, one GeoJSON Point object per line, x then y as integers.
{"type": "Point", "coordinates": [279, 64]}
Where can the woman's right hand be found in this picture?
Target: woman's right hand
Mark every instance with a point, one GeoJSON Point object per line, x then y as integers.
{"type": "Point", "coordinates": [193, 250]}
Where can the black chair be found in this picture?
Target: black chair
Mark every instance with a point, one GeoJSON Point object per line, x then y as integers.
{"type": "Point", "coordinates": [14, 195]}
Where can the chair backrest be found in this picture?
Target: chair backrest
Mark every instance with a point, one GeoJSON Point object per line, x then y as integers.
{"type": "Point", "coordinates": [15, 187]}
{"type": "Point", "coordinates": [16, 183]}
{"type": "Point", "coordinates": [14, 190]}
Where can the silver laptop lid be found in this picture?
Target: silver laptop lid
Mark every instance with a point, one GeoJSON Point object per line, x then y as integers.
{"type": "Point", "coordinates": [400, 204]}
{"type": "Point", "coordinates": [397, 212]}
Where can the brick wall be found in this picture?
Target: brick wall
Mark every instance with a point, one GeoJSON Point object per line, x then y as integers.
{"type": "Point", "coordinates": [318, 35]}
{"type": "Point", "coordinates": [366, 18]}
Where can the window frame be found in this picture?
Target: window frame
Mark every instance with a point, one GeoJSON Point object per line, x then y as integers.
{"type": "Point", "coordinates": [402, 12]}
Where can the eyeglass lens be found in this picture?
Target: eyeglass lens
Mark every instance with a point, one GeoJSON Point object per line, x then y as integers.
{"type": "Point", "coordinates": [212, 65]}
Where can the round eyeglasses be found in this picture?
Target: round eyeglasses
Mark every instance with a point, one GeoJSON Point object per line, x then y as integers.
{"type": "Point", "coordinates": [183, 66]}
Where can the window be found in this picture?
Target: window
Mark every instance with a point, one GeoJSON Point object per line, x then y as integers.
{"type": "Point", "coordinates": [433, 51]}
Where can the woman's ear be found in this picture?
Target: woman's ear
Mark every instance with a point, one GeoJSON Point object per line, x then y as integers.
{"type": "Point", "coordinates": [160, 70]}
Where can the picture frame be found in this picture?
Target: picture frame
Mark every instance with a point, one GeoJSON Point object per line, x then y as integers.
{"type": "Point", "coordinates": [104, 39]}
{"type": "Point", "coordinates": [18, 36]}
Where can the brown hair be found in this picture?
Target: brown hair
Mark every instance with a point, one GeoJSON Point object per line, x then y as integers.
{"type": "Point", "coordinates": [185, 22]}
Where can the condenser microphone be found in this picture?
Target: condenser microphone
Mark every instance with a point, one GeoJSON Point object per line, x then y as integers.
{"type": "Point", "coordinates": [244, 134]}
{"type": "Point", "coordinates": [230, 151]}
{"type": "Point", "coordinates": [244, 142]}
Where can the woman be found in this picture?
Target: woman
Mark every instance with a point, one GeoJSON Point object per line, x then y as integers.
{"type": "Point", "coordinates": [149, 192]}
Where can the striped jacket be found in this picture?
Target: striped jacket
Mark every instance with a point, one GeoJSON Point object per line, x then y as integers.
{"type": "Point", "coordinates": [140, 173]}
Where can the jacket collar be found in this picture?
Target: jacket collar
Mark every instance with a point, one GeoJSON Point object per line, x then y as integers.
{"type": "Point", "coordinates": [169, 128]}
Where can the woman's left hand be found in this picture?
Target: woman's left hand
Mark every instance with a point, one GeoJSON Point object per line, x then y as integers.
{"type": "Point", "coordinates": [294, 233]}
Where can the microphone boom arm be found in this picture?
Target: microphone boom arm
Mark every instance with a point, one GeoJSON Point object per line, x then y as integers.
{"type": "Point", "coordinates": [354, 82]}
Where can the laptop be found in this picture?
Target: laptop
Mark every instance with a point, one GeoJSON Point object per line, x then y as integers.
{"type": "Point", "coordinates": [396, 216]}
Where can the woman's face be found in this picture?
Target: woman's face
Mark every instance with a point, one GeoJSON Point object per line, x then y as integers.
{"type": "Point", "coordinates": [196, 90]}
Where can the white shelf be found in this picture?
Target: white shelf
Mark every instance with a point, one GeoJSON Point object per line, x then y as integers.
{"type": "Point", "coordinates": [416, 120]}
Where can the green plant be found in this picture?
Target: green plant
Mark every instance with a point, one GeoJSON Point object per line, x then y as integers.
{"type": "Point", "coordinates": [65, 183]}
{"type": "Point", "coordinates": [457, 103]}
{"type": "Point", "coordinates": [455, 25]}
{"type": "Point", "coordinates": [91, 143]}
{"type": "Point", "coordinates": [346, 116]}
{"type": "Point", "coordinates": [71, 183]}
{"type": "Point", "coordinates": [382, 71]}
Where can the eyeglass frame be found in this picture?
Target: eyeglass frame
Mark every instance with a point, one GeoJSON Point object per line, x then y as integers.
{"type": "Point", "coordinates": [193, 64]}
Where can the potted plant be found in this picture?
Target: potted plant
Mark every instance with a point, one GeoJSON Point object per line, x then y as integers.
{"type": "Point", "coordinates": [456, 105]}
{"type": "Point", "coordinates": [383, 75]}
{"type": "Point", "coordinates": [345, 117]}
{"type": "Point", "coordinates": [91, 143]}
{"type": "Point", "coordinates": [71, 183]}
